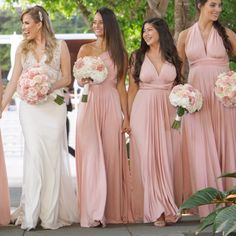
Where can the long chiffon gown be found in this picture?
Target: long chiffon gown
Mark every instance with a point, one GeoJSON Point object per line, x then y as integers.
{"type": "Point", "coordinates": [209, 136]}
{"type": "Point", "coordinates": [4, 192]}
{"type": "Point", "coordinates": [47, 192]}
{"type": "Point", "coordinates": [152, 145]}
{"type": "Point", "coordinates": [101, 157]}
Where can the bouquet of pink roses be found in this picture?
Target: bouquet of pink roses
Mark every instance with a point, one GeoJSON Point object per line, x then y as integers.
{"type": "Point", "coordinates": [186, 99]}
{"type": "Point", "coordinates": [89, 67]}
{"type": "Point", "coordinates": [225, 88]}
{"type": "Point", "coordinates": [34, 85]}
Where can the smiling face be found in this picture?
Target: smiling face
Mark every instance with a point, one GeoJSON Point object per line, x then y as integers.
{"type": "Point", "coordinates": [30, 28]}
{"type": "Point", "coordinates": [98, 25]}
{"type": "Point", "coordinates": [150, 34]}
{"type": "Point", "coordinates": [211, 9]}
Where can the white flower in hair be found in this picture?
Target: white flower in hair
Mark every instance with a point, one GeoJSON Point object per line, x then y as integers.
{"type": "Point", "coordinates": [40, 16]}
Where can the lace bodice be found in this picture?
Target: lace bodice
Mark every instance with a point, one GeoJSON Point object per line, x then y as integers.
{"type": "Point", "coordinates": [53, 69]}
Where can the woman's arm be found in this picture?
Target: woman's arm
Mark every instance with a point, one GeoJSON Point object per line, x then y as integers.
{"type": "Point", "coordinates": [123, 97]}
{"type": "Point", "coordinates": [181, 47]}
{"type": "Point", "coordinates": [232, 39]}
{"type": "Point", "coordinates": [65, 68]}
{"type": "Point", "coordinates": [133, 89]}
{"type": "Point", "coordinates": [11, 86]}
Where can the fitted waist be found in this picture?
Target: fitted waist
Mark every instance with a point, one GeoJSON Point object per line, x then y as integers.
{"type": "Point", "coordinates": [148, 86]}
{"type": "Point", "coordinates": [209, 62]}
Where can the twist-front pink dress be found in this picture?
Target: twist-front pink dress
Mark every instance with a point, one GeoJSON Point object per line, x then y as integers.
{"type": "Point", "coordinates": [101, 157]}
{"type": "Point", "coordinates": [4, 192]}
{"type": "Point", "coordinates": [209, 136]}
{"type": "Point", "coordinates": [152, 145]}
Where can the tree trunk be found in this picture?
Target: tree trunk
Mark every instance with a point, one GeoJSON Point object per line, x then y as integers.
{"type": "Point", "coordinates": [157, 8]}
{"type": "Point", "coordinates": [84, 11]}
{"type": "Point", "coordinates": [182, 16]}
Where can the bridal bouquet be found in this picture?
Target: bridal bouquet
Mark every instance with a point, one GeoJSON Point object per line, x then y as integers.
{"type": "Point", "coordinates": [186, 99]}
{"type": "Point", "coordinates": [34, 85]}
{"type": "Point", "coordinates": [92, 68]}
{"type": "Point", "coordinates": [225, 88]}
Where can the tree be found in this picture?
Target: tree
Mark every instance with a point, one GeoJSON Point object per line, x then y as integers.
{"type": "Point", "coordinates": [130, 20]}
{"type": "Point", "coordinates": [10, 24]}
{"type": "Point", "coordinates": [131, 13]}
{"type": "Point", "coordinates": [182, 16]}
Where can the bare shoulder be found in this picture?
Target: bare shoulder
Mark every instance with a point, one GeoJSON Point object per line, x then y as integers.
{"type": "Point", "coordinates": [230, 33]}
{"type": "Point", "coordinates": [19, 51]}
{"type": "Point", "coordinates": [183, 35]}
{"type": "Point", "coordinates": [63, 44]}
{"type": "Point", "coordinates": [232, 38]}
{"type": "Point", "coordinates": [86, 50]}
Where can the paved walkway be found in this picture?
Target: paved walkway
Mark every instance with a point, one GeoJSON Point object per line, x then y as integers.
{"type": "Point", "coordinates": [186, 227]}
{"type": "Point", "coordinates": [13, 147]}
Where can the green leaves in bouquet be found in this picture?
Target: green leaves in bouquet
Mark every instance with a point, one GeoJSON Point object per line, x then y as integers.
{"type": "Point", "coordinates": [223, 219]}
{"type": "Point", "coordinates": [84, 98]}
{"type": "Point", "coordinates": [59, 100]}
{"type": "Point", "coordinates": [180, 111]}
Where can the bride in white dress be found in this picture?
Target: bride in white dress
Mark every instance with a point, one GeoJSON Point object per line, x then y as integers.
{"type": "Point", "coordinates": [48, 195]}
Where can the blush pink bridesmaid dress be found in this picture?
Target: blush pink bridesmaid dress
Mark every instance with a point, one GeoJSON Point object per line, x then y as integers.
{"type": "Point", "coordinates": [153, 143]}
{"type": "Point", "coordinates": [209, 136]}
{"type": "Point", "coordinates": [101, 158]}
{"type": "Point", "coordinates": [4, 192]}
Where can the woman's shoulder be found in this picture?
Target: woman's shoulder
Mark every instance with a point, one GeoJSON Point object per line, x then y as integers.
{"type": "Point", "coordinates": [230, 32]}
{"type": "Point", "coordinates": [86, 49]}
{"type": "Point", "coordinates": [183, 34]}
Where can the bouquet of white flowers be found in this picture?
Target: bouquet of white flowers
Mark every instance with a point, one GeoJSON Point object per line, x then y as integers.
{"type": "Point", "coordinates": [186, 99]}
{"type": "Point", "coordinates": [34, 85]}
{"type": "Point", "coordinates": [225, 88]}
{"type": "Point", "coordinates": [89, 67]}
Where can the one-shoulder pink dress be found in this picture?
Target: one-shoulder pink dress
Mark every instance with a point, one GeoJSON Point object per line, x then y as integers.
{"type": "Point", "coordinates": [101, 157]}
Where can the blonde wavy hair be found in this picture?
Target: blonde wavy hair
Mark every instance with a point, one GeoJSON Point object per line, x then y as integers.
{"type": "Point", "coordinates": [39, 14]}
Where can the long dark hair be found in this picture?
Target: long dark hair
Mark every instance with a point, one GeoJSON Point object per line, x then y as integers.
{"type": "Point", "coordinates": [220, 29]}
{"type": "Point", "coordinates": [167, 47]}
{"type": "Point", "coordinates": [114, 39]}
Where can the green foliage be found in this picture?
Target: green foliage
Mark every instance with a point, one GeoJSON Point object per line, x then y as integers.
{"type": "Point", "coordinates": [223, 219]}
{"type": "Point", "coordinates": [130, 14]}
{"type": "Point", "coordinates": [228, 14]}
{"type": "Point", "coordinates": [232, 64]}
{"type": "Point", "coordinates": [67, 16]}
{"type": "Point", "coordinates": [203, 197]}
{"type": "Point", "coordinates": [10, 23]}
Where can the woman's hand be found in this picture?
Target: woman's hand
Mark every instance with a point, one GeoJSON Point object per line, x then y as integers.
{"type": "Point", "coordinates": [84, 81]}
{"type": "Point", "coordinates": [126, 127]}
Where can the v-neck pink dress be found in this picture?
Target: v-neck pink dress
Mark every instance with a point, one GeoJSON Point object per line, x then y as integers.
{"type": "Point", "coordinates": [209, 136]}
{"type": "Point", "coordinates": [4, 192]}
{"type": "Point", "coordinates": [101, 157]}
{"type": "Point", "coordinates": [153, 145]}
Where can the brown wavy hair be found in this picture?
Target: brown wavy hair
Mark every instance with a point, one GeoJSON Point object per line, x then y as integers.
{"type": "Point", "coordinates": [114, 39]}
{"type": "Point", "coordinates": [167, 47]}
{"type": "Point", "coordinates": [220, 29]}
{"type": "Point", "coordinates": [39, 14]}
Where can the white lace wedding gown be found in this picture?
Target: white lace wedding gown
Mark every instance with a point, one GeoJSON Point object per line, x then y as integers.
{"type": "Point", "coordinates": [48, 195]}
